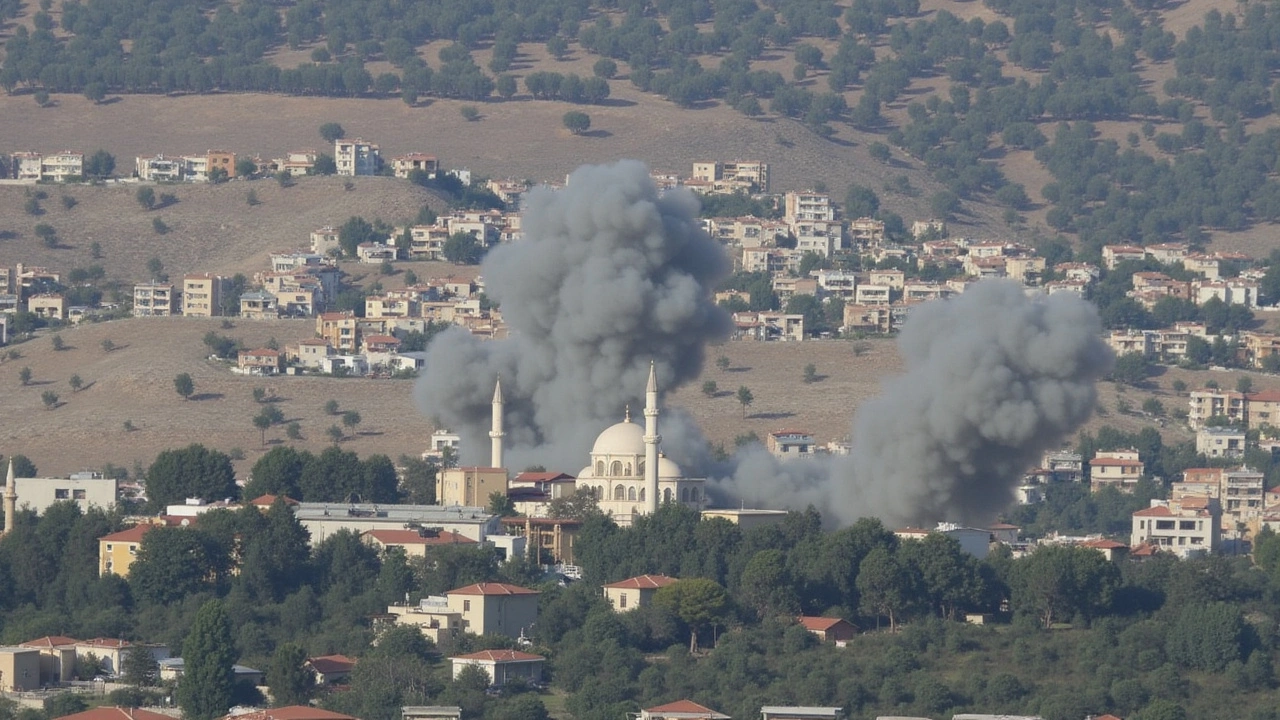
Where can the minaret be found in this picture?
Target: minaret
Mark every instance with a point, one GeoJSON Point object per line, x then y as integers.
{"type": "Point", "coordinates": [10, 501]}
{"type": "Point", "coordinates": [495, 431]}
{"type": "Point", "coordinates": [651, 440]}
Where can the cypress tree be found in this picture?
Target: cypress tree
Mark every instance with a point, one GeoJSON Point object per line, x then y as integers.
{"type": "Point", "coordinates": [208, 654]}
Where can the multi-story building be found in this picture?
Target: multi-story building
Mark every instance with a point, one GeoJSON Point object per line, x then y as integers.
{"type": "Point", "coordinates": [470, 486]}
{"type": "Point", "coordinates": [1188, 527]}
{"type": "Point", "coordinates": [61, 167]}
{"type": "Point", "coordinates": [159, 168]}
{"type": "Point", "coordinates": [259, 305]}
{"type": "Point", "coordinates": [1252, 410]}
{"type": "Point", "coordinates": [790, 444]}
{"type": "Point", "coordinates": [801, 206]}
{"type": "Point", "coordinates": [325, 241]}
{"type": "Point", "coordinates": [731, 176]}
{"type": "Point", "coordinates": [50, 306]}
{"type": "Point", "coordinates": [1121, 469]}
{"type": "Point", "coordinates": [298, 162]}
{"type": "Point", "coordinates": [202, 294]}
{"type": "Point", "coordinates": [25, 166]}
{"type": "Point", "coordinates": [1220, 442]}
{"type": "Point", "coordinates": [221, 160]}
{"type": "Point", "coordinates": [154, 300]}
{"type": "Point", "coordinates": [356, 157]}
{"type": "Point", "coordinates": [405, 164]}
{"type": "Point", "coordinates": [339, 328]}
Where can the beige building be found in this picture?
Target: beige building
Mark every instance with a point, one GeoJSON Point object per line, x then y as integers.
{"type": "Point", "coordinates": [51, 306]}
{"type": "Point", "coordinates": [19, 669]}
{"type": "Point", "coordinates": [635, 592]}
{"type": "Point", "coordinates": [495, 608]}
{"type": "Point", "coordinates": [339, 328]}
{"type": "Point", "coordinates": [154, 300]}
{"type": "Point", "coordinates": [1220, 442]}
{"type": "Point", "coordinates": [414, 543]}
{"type": "Point", "coordinates": [356, 157]}
{"type": "Point", "coordinates": [502, 665]}
{"type": "Point", "coordinates": [1120, 468]}
{"type": "Point", "coordinates": [470, 486]}
{"type": "Point", "coordinates": [747, 518]}
{"type": "Point", "coordinates": [681, 710]}
{"type": "Point", "coordinates": [405, 164]}
{"type": "Point", "coordinates": [117, 551]}
{"type": "Point", "coordinates": [202, 294]}
{"type": "Point", "coordinates": [1186, 528]}
{"type": "Point", "coordinates": [62, 167]}
{"type": "Point", "coordinates": [57, 658]}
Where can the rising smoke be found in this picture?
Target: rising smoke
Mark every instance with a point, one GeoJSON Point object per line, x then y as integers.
{"type": "Point", "coordinates": [609, 276]}
{"type": "Point", "coordinates": [993, 378]}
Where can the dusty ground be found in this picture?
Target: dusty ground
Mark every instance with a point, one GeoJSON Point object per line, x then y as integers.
{"type": "Point", "coordinates": [135, 383]}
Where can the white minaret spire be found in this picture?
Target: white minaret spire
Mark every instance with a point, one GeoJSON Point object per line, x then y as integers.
{"type": "Point", "coordinates": [651, 440]}
{"type": "Point", "coordinates": [495, 431]}
{"type": "Point", "coordinates": [10, 501]}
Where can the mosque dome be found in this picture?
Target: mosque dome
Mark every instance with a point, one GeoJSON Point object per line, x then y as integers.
{"type": "Point", "coordinates": [624, 438]}
{"type": "Point", "coordinates": [668, 469]}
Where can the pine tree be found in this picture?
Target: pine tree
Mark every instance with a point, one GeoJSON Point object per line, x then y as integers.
{"type": "Point", "coordinates": [287, 676]}
{"type": "Point", "coordinates": [208, 654]}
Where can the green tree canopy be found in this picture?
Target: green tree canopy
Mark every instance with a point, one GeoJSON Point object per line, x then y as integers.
{"type": "Point", "coordinates": [192, 472]}
{"type": "Point", "coordinates": [208, 678]}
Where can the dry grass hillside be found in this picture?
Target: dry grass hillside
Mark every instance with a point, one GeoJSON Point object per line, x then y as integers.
{"type": "Point", "coordinates": [134, 382]}
{"type": "Point", "coordinates": [212, 228]}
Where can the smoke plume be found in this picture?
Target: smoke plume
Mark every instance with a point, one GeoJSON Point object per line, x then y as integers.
{"type": "Point", "coordinates": [609, 276]}
{"type": "Point", "coordinates": [993, 378]}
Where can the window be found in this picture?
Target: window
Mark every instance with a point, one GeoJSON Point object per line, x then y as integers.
{"type": "Point", "coordinates": [133, 549]}
{"type": "Point", "coordinates": [616, 468]}
{"type": "Point", "coordinates": [599, 468]}
{"type": "Point", "coordinates": [619, 493]}
{"type": "Point", "coordinates": [61, 494]}
{"type": "Point", "coordinates": [641, 494]}
{"type": "Point", "coordinates": [631, 494]}
{"type": "Point", "coordinates": [1187, 525]}
{"type": "Point", "coordinates": [628, 469]}
{"type": "Point", "coordinates": [1164, 524]}
{"type": "Point", "coordinates": [78, 494]}
{"type": "Point", "coordinates": [466, 606]}
{"type": "Point", "coordinates": [622, 600]}
{"type": "Point", "coordinates": [108, 547]}
{"type": "Point", "coordinates": [666, 495]}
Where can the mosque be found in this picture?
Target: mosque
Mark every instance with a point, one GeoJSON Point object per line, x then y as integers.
{"type": "Point", "coordinates": [628, 475]}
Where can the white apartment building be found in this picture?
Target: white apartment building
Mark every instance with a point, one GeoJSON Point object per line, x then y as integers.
{"type": "Point", "coordinates": [356, 157]}
{"type": "Point", "coordinates": [1187, 528]}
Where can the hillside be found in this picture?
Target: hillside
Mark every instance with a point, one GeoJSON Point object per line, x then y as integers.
{"type": "Point", "coordinates": [134, 383]}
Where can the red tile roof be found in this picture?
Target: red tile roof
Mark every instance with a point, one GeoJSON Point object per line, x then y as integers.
{"type": "Point", "coordinates": [411, 537]}
{"type": "Point", "coordinates": [116, 713]}
{"type": "Point", "coordinates": [499, 656]}
{"type": "Point", "coordinates": [1157, 511]}
{"type": "Point", "coordinates": [492, 588]}
{"type": "Point", "coordinates": [643, 582]}
{"type": "Point", "coordinates": [1103, 544]}
{"type": "Point", "coordinates": [49, 641]}
{"type": "Point", "coordinates": [820, 624]}
{"type": "Point", "coordinates": [543, 477]}
{"type": "Point", "coordinates": [269, 500]}
{"type": "Point", "coordinates": [326, 664]}
{"type": "Point", "coordinates": [133, 534]}
{"type": "Point", "coordinates": [685, 707]}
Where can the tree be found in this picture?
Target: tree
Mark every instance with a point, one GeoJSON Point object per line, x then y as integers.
{"type": "Point", "coordinates": [332, 132]}
{"type": "Point", "coordinates": [291, 682]}
{"type": "Point", "coordinates": [580, 505]}
{"type": "Point", "coordinates": [24, 375]}
{"type": "Point", "coordinates": [191, 472]}
{"type": "Point", "coordinates": [1152, 406]}
{"type": "Point", "coordinates": [262, 422]}
{"type": "Point", "coordinates": [1057, 582]}
{"type": "Point", "coordinates": [251, 197]}
{"type": "Point", "coordinates": [350, 419]}
{"type": "Point", "coordinates": [76, 383]}
{"type": "Point", "coordinates": [139, 666]}
{"type": "Point", "coordinates": [722, 363]}
{"type": "Point", "coordinates": [159, 226]}
{"type": "Point", "coordinates": [605, 68]}
{"type": "Point", "coordinates": [95, 91]}
{"type": "Point", "coordinates": [99, 165]}
{"type": "Point", "coordinates": [500, 504]}
{"type": "Point", "coordinates": [50, 399]}
{"type": "Point", "coordinates": [146, 198]}
{"type": "Point", "coordinates": [335, 434]}
{"type": "Point", "coordinates": [293, 431]}
{"type": "Point", "coordinates": [354, 231]}
{"type": "Point", "coordinates": [462, 248]}
{"type": "Point", "coordinates": [324, 165]}
{"type": "Point", "coordinates": [1179, 386]}
{"type": "Point", "coordinates": [1130, 369]}
{"type": "Point", "coordinates": [506, 86]}
{"type": "Point", "coordinates": [208, 677]}
{"type": "Point", "coordinates": [709, 388]}
{"type": "Point", "coordinates": [1244, 383]}
{"type": "Point", "coordinates": [58, 343]}
{"type": "Point", "coordinates": [885, 585]}
{"type": "Point", "coordinates": [745, 398]}
{"type": "Point", "coordinates": [861, 201]}
{"type": "Point", "coordinates": [698, 602]}
{"type": "Point", "coordinates": [577, 122]}
{"type": "Point", "coordinates": [810, 373]}
{"type": "Point", "coordinates": [470, 113]}
{"type": "Point", "coordinates": [108, 345]}
{"type": "Point", "coordinates": [246, 168]}
{"type": "Point", "coordinates": [184, 385]}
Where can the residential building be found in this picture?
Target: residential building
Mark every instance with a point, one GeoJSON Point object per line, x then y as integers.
{"type": "Point", "coordinates": [867, 318]}
{"type": "Point", "coordinates": [470, 486]}
{"type": "Point", "coordinates": [325, 241]}
{"type": "Point", "coordinates": [405, 164]}
{"type": "Point", "coordinates": [259, 305]}
{"type": "Point", "coordinates": [19, 669]}
{"type": "Point", "coordinates": [430, 712]}
{"type": "Point", "coordinates": [154, 300]}
{"type": "Point", "coordinates": [50, 306]}
{"type": "Point", "coordinates": [1235, 291]}
{"type": "Point", "coordinates": [747, 518]}
{"type": "Point", "coordinates": [1258, 346]}
{"type": "Point", "coordinates": [745, 175]}
{"type": "Point", "coordinates": [117, 551]}
{"type": "Point", "coordinates": [769, 326]}
{"type": "Point", "coordinates": [159, 168]}
{"type": "Point", "coordinates": [869, 294]}
{"type": "Point", "coordinates": [62, 167]}
{"type": "Point", "coordinates": [769, 712]}
{"type": "Point", "coordinates": [801, 206]}
{"type": "Point", "coordinates": [298, 162]}
{"type": "Point", "coordinates": [629, 594]}
{"type": "Point", "coordinates": [1121, 469]}
{"type": "Point", "coordinates": [25, 166]}
{"type": "Point", "coordinates": [495, 608]}
{"type": "Point", "coordinates": [1113, 255]}
{"type": "Point", "coordinates": [171, 669]}
{"type": "Point", "coordinates": [331, 669]}
{"type": "Point", "coordinates": [1110, 549]}
{"type": "Point", "coordinates": [57, 658]}
{"type": "Point", "coordinates": [502, 666]}
{"type": "Point", "coordinates": [1253, 410]}
{"type": "Point", "coordinates": [545, 535]}
{"type": "Point", "coordinates": [836, 630]}
{"type": "Point", "coordinates": [1220, 442]}
{"type": "Point", "coordinates": [260, 362]}
{"type": "Point", "coordinates": [86, 489]}
{"type": "Point", "coordinates": [1187, 528]}
{"type": "Point", "coordinates": [111, 651]}
{"type": "Point", "coordinates": [202, 294]}
{"type": "Point", "coordinates": [788, 444]}
{"type": "Point", "coordinates": [356, 157]}
{"type": "Point", "coordinates": [116, 713]}
{"type": "Point", "coordinates": [289, 712]}
{"type": "Point", "coordinates": [414, 543]}
{"type": "Point", "coordinates": [975, 541]}
{"type": "Point", "coordinates": [339, 328]}
{"type": "Point", "coordinates": [1242, 494]}
{"type": "Point", "coordinates": [1064, 466]}
{"type": "Point", "coordinates": [322, 520]}
{"type": "Point", "coordinates": [681, 710]}
{"type": "Point", "coordinates": [310, 353]}
{"type": "Point", "coordinates": [893, 279]}
{"type": "Point", "coordinates": [223, 160]}
{"type": "Point", "coordinates": [375, 253]}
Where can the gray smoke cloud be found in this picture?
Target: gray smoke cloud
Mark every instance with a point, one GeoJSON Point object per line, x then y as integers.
{"type": "Point", "coordinates": [610, 275]}
{"type": "Point", "coordinates": [993, 378]}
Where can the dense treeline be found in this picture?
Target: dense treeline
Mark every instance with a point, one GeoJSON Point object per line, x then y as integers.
{"type": "Point", "coordinates": [1162, 631]}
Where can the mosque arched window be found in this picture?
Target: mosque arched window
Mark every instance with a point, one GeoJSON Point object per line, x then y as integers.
{"type": "Point", "coordinates": [616, 468]}
{"type": "Point", "coordinates": [640, 468]}
{"type": "Point", "coordinates": [693, 494]}
{"type": "Point", "coordinates": [599, 468]}
{"type": "Point", "coordinates": [684, 494]}
{"type": "Point", "coordinates": [631, 494]}
{"type": "Point", "coordinates": [619, 493]}
{"type": "Point", "coordinates": [641, 494]}
{"type": "Point", "coordinates": [666, 495]}
{"type": "Point", "coordinates": [628, 470]}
